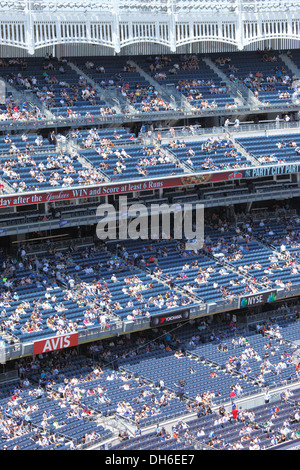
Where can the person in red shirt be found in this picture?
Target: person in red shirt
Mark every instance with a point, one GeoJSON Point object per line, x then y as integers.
{"type": "Point", "coordinates": [264, 329]}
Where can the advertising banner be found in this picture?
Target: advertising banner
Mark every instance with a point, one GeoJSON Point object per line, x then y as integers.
{"type": "Point", "coordinates": [55, 343]}
{"type": "Point", "coordinates": [271, 170]}
{"type": "Point", "coordinates": [170, 317]}
{"type": "Point", "coordinates": [252, 300]}
{"type": "Point", "coordinates": [38, 197]}
{"type": "Point", "coordinates": [20, 199]}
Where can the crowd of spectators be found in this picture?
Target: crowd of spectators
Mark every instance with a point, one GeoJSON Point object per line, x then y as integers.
{"type": "Point", "coordinates": [145, 98]}
{"type": "Point", "coordinates": [224, 268]}
{"type": "Point", "coordinates": [263, 72]}
{"type": "Point", "coordinates": [68, 94]}
{"type": "Point", "coordinates": [192, 78]}
{"type": "Point", "coordinates": [58, 88]}
{"type": "Point", "coordinates": [113, 156]}
{"type": "Point", "coordinates": [33, 163]}
{"type": "Point", "coordinates": [221, 269]}
{"type": "Point", "coordinates": [31, 171]}
{"type": "Point", "coordinates": [212, 154]}
{"type": "Point", "coordinates": [278, 157]}
{"type": "Point", "coordinates": [50, 394]}
{"type": "Point", "coordinates": [135, 89]}
{"type": "Point", "coordinates": [74, 289]}
{"type": "Point", "coordinates": [10, 110]}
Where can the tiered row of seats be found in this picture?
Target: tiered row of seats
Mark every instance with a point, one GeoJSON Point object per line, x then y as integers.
{"type": "Point", "coordinates": [211, 154]}
{"type": "Point", "coordinates": [251, 356]}
{"type": "Point", "coordinates": [58, 213]}
{"type": "Point", "coordinates": [42, 419]}
{"type": "Point", "coordinates": [197, 376]}
{"type": "Point", "coordinates": [259, 434]}
{"type": "Point", "coordinates": [60, 398]}
{"type": "Point", "coordinates": [29, 162]}
{"type": "Point", "coordinates": [67, 94]}
{"type": "Point", "coordinates": [282, 231]}
{"type": "Point", "coordinates": [192, 77]}
{"type": "Point", "coordinates": [118, 74]}
{"type": "Point", "coordinates": [207, 192]}
{"type": "Point", "coordinates": [35, 305]}
{"type": "Point", "coordinates": [11, 143]}
{"type": "Point", "coordinates": [112, 154]}
{"type": "Point", "coordinates": [119, 288]}
{"type": "Point", "coordinates": [212, 280]}
{"type": "Point", "coordinates": [11, 109]}
{"type": "Point", "coordinates": [249, 256]}
{"type": "Point", "coordinates": [263, 72]}
{"type": "Point", "coordinates": [278, 148]}
{"type": "Point", "coordinates": [117, 276]}
{"type": "Point", "coordinates": [90, 137]}
{"type": "Point", "coordinates": [57, 86]}
{"type": "Point", "coordinates": [137, 162]}
{"type": "Point", "coordinates": [226, 189]}
{"type": "Point", "coordinates": [196, 273]}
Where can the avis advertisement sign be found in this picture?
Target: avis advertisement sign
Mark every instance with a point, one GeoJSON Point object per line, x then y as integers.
{"type": "Point", "coordinates": [55, 343]}
{"type": "Point", "coordinates": [257, 299]}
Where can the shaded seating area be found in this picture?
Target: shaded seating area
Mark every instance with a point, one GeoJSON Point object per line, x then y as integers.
{"type": "Point", "coordinates": [59, 88]}
{"type": "Point", "coordinates": [263, 72]}
{"type": "Point", "coordinates": [277, 149]}
{"type": "Point", "coordinates": [212, 154]}
{"type": "Point", "coordinates": [192, 77]}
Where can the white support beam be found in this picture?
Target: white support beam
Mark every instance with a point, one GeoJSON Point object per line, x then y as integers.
{"type": "Point", "coordinates": [239, 26]}
{"type": "Point", "coordinates": [172, 26]}
{"type": "Point", "coordinates": [29, 37]}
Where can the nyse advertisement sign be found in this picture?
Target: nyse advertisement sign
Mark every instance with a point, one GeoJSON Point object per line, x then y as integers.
{"type": "Point", "coordinates": [257, 299]}
{"type": "Point", "coordinates": [55, 343]}
{"type": "Point", "coordinates": [170, 317]}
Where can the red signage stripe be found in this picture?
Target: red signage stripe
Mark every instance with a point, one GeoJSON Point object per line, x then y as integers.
{"type": "Point", "coordinates": [55, 343]}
